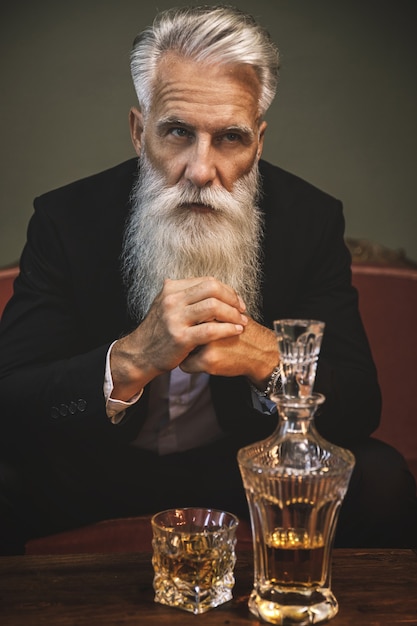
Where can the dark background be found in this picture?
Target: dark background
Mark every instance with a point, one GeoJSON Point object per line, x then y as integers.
{"type": "Point", "coordinates": [344, 117]}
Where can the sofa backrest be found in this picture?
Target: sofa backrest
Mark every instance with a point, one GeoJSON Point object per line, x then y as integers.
{"type": "Point", "coordinates": [388, 306]}
{"type": "Point", "coordinates": [7, 276]}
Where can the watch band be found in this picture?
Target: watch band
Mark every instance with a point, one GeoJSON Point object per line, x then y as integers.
{"type": "Point", "coordinates": [274, 381]}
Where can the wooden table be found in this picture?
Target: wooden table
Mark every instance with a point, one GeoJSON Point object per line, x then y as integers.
{"type": "Point", "coordinates": [373, 587]}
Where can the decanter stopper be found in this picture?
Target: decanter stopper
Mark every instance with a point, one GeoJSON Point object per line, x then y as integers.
{"type": "Point", "coordinates": [299, 343]}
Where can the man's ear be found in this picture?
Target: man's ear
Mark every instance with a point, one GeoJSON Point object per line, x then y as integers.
{"type": "Point", "coordinates": [136, 128]}
{"type": "Point", "coordinates": [262, 129]}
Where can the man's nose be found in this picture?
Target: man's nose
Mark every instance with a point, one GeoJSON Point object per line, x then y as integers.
{"type": "Point", "coordinates": [201, 167]}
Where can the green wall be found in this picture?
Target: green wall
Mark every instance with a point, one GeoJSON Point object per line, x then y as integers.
{"type": "Point", "coordinates": [344, 118]}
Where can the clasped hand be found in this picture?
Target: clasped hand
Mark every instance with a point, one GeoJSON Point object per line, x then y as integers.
{"type": "Point", "coordinates": [200, 325]}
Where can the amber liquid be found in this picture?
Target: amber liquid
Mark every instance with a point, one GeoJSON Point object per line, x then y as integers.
{"type": "Point", "coordinates": [294, 558]}
{"type": "Point", "coordinates": [194, 574]}
{"type": "Point", "coordinates": [293, 589]}
{"type": "Point", "coordinates": [192, 570]}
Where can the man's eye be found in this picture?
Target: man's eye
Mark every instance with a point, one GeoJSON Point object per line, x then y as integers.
{"type": "Point", "coordinates": [231, 137]}
{"type": "Point", "coordinates": [179, 132]}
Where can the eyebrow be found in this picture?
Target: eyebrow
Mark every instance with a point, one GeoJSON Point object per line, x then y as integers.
{"type": "Point", "coordinates": [171, 121]}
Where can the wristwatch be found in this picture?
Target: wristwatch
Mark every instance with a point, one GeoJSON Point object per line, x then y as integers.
{"type": "Point", "coordinates": [273, 384]}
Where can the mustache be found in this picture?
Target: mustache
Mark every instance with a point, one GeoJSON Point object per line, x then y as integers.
{"type": "Point", "coordinates": [215, 199]}
{"type": "Point", "coordinates": [164, 198]}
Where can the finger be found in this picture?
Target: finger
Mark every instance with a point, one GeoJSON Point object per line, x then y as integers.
{"type": "Point", "coordinates": [202, 334]}
{"type": "Point", "coordinates": [200, 288]}
{"type": "Point", "coordinates": [212, 309]}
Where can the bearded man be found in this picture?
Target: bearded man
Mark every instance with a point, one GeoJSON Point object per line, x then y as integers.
{"type": "Point", "coordinates": [137, 352]}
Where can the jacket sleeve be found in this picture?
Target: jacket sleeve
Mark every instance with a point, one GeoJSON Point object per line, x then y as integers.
{"type": "Point", "coordinates": [51, 370]}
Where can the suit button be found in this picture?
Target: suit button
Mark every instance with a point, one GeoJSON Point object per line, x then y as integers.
{"type": "Point", "coordinates": [55, 413]}
{"type": "Point", "coordinates": [82, 405]}
{"type": "Point", "coordinates": [72, 407]}
{"type": "Point", "coordinates": [63, 410]}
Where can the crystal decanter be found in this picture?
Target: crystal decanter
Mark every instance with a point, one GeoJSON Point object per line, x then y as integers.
{"type": "Point", "coordinates": [295, 482]}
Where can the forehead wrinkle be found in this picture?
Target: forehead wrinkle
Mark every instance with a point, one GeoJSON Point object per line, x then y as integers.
{"type": "Point", "coordinates": [185, 82]}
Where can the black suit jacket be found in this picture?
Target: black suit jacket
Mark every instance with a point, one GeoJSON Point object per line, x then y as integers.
{"type": "Point", "coordinates": [70, 304]}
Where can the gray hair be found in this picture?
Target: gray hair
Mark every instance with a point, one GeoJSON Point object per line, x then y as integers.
{"type": "Point", "coordinates": [217, 34]}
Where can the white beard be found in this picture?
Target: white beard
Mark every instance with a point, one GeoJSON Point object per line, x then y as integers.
{"type": "Point", "coordinates": [165, 239]}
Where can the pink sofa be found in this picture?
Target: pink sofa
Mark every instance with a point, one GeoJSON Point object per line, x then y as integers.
{"type": "Point", "coordinates": [7, 276]}
{"type": "Point", "coordinates": [388, 304]}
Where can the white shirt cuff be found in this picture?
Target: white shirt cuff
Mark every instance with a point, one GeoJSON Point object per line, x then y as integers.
{"type": "Point", "coordinates": [115, 409]}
